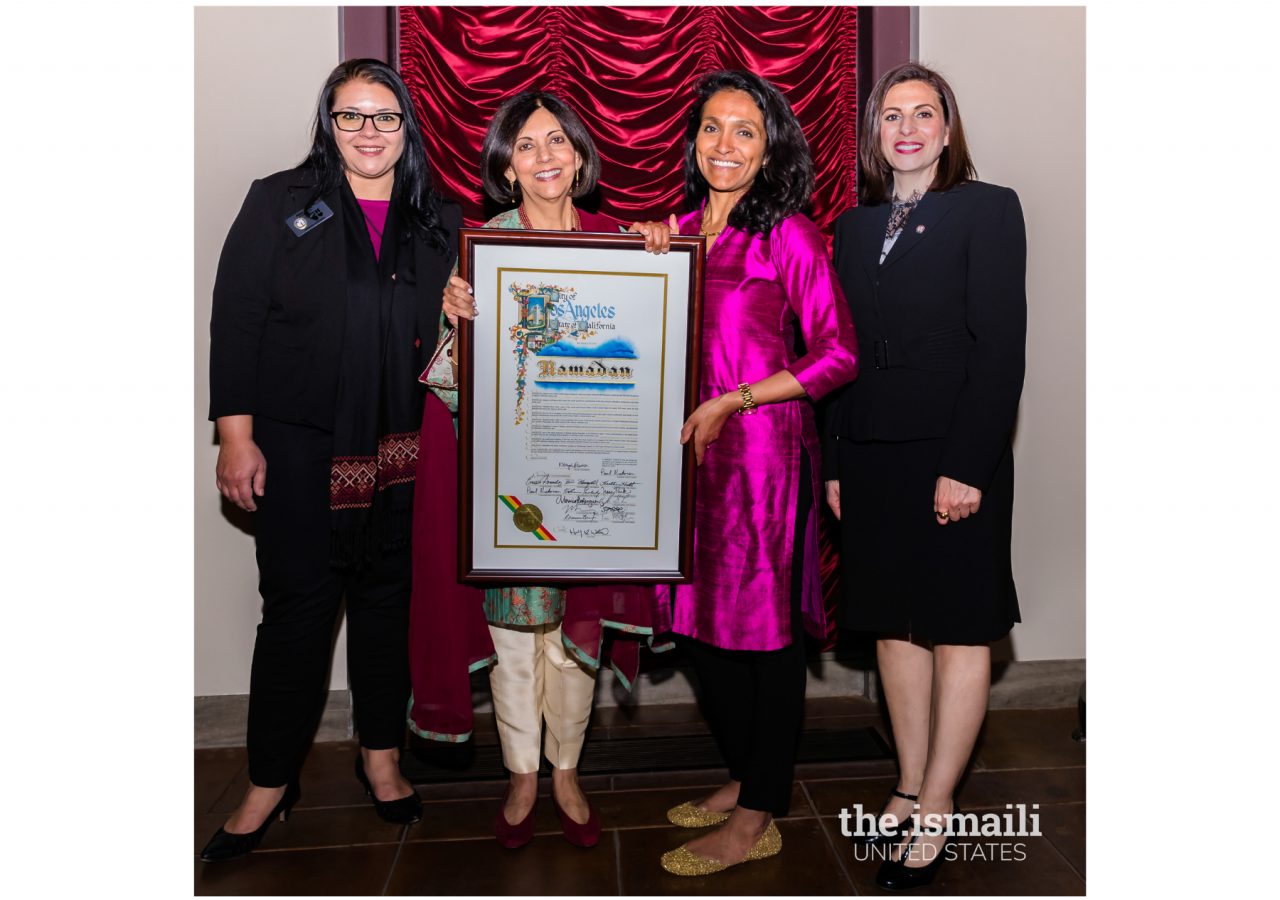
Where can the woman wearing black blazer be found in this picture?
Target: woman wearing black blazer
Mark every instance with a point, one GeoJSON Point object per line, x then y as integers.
{"type": "Point", "coordinates": [329, 286]}
{"type": "Point", "coordinates": [919, 462]}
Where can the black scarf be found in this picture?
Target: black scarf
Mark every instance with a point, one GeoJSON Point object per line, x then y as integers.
{"type": "Point", "coordinates": [379, 415]}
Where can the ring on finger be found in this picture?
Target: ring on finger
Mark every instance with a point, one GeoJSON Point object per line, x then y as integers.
{"type": "Point", "coordinates": [943, 514]}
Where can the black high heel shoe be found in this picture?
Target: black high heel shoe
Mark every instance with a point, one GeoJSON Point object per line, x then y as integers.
{"type": "Point", "coordinates": [879, 836]}
{"type": "Point", "coordinates": [224, 846]}
{"type": "Point", "coordinates": [894, 875]}
{"type": "Point", "coordinates": [404, 811]}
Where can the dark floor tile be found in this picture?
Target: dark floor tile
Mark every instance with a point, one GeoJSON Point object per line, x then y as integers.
{"type": "Point", "coordinates": [328, 776]}
{"type": "Point", "coordinates": [844, 723]}
{"type": "Point", "coordinates": [360, 871]}
{"type": "Point", "coordinates": [654, 714]}
{"type": "Point", "coordinates": [856, 768]}
{"type": "Point", "coordinates": [805, 865]}
{"type": "Point", "coordinates": [1030, 867]}
{"type": "Point", "coordinates": [657, 729]}
{"type": "Point", "coordinates": [1028, 739]}
{"type": "Point", "coordinates": [832, 795]}
{"type": "Point", "coordinates": [677, 778]}
{"type": "Point", "coordinates": [1063, 826]}
{"type": "Point", "coordinates": [234, 793]}
{"type": "Point", "coordinates": [308, 828]}
{"type": "Point", "coordinates": [979, 790]}
{"type": "Point", "coordinates": [214, 771]}
{"type": "Point", "coordinates": [659, 720]}
{"type": "Point", "coordinates": [839, 706]}
{"type": "Point", "coordinates": [648, 808]}
{"type": "Point", "coordinates": [471, 790]}
{"type": "Point", "coordinates": [461, 790]}
{"type": "Point", "coordinates": [985, 789]}
{"type": "Point", "coordinates": [546, 865]}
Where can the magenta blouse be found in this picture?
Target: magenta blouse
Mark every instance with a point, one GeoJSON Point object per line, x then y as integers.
{"type": "Point", "coordinates": [757, 291]}
{"type": "Point", "coordinates": [375, 217]}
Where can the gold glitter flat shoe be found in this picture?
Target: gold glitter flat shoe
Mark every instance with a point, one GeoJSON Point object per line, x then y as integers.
{"type": "Point", "coordinates": [686, 815]}
{"type": "Point", "coordinates": [681, 862]}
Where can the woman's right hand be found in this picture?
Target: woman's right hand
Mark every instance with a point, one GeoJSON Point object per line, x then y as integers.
{"type": "Point", "coordinates": [657, 235]}
{"type": "Point", "coordinates": [242, 469]}
{"type": "Point", "coordinates": [833, 497]}
{"type": "Point", "coordinates": [459, 300]}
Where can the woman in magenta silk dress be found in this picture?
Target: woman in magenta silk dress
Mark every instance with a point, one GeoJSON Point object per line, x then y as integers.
{"type": "Point", "coordinates": [777, 334]}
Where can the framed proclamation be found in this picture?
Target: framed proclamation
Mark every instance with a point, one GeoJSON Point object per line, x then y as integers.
{"type": "Point", "coordinates": [574, 382]}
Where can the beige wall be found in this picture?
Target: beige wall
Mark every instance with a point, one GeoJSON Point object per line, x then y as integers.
{"type": "Point", "coordinates": [1018, 74]}
{"type": "Point", "coordinates": [262, 66]}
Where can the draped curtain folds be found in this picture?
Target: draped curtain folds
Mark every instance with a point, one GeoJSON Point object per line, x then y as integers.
{"type": "Point", "coordinates": [629, 73]}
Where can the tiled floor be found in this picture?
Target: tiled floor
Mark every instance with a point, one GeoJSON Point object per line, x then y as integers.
{"type": "Point", "coordinates": [334, 844]}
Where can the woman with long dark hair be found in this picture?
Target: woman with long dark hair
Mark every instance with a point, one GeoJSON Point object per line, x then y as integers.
{"type": "Point", "coordinates": [918, 457]}
{"type": "Point", "coordinates": [543, 643]}
{"type": "Point", "coordinates": [776, 336]}
{"type": "Point", "coordinates": [329, 281]}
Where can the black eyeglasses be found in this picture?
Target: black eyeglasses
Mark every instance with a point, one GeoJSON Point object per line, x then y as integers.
{"type": "Point", "coordinates": [353, 121]}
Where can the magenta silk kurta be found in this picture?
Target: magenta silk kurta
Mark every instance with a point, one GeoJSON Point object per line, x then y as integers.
{"type": "Point", "coordinates": [758, 290]}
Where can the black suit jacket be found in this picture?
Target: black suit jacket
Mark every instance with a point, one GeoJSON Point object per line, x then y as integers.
{"type": "Point", "coordinates": [280, 299]}
{"type": "Point", "coordinates": [942, 327]}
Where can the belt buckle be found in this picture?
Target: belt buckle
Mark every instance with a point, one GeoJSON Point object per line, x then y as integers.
{"type": "Point", "coordinates": [880, 352]}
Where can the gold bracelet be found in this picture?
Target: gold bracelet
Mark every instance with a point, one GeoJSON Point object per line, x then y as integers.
{"type": "Point", "coordinates": [748, 404]}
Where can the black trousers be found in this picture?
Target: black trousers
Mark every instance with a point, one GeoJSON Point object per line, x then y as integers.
{"type": "Point", "coordinates": [755, 698]}
{"type": "Point", "coordinates": [301, 596]}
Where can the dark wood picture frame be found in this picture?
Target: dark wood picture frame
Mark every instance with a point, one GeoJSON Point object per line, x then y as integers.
{"type": "Point", "coordinates": [696, 249]}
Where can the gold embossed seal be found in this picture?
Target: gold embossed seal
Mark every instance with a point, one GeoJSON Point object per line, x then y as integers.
{"type": "Point", "coordinates": [528, 517]}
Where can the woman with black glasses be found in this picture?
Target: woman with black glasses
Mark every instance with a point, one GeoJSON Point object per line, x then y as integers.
{"type": "Point", "coordinates": [329, 285]}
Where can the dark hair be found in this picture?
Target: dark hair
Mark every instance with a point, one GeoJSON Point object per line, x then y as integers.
{"type": "Point", "coordinates": [954, 165]}
{"type": "Point", "coordinates": [784, 185]}
{"type": "Point", "coordinates": [417, 202]}
{"type": "Point", "coordinates": [505, 127]}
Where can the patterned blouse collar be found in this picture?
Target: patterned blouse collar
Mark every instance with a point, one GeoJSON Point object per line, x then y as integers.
{"type": "Point", "coordinates": [901, 212]}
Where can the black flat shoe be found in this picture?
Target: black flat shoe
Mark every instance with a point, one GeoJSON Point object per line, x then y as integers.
{"type": "Point", "coordinates": [894, 875]}
{"type": "Point", "coordinates": [879, 836]}
{"type": "Point", "coordinates": [404, 811]}
{"type": "Point", "coordinates": [224, 845]}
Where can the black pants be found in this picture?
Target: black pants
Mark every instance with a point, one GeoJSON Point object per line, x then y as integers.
{"type": "Point", "coordinates": [301, 596]}
{"type": "Point", "coordinates": [755, 698]}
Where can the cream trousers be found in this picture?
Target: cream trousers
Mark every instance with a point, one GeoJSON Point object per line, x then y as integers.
{"type": "Point", "coordinates": [532, 680]}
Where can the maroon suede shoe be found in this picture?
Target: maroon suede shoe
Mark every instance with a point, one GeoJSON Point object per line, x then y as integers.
{"type": "Point", "coordinates": [585, 835]}
{"type": "Point", "coordinates": [512, 836]}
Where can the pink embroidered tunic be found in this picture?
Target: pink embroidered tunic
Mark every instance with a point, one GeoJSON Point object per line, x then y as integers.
{"type": "Point", "coordinates": [759, 292]}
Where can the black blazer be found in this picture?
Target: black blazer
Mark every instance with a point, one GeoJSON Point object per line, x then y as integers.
{"type": "Point", "coordinates": [942, 328]}
{"type": "Point", "coordinates": [279, 304]}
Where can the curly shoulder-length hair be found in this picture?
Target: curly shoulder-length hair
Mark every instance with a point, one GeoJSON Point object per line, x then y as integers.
{"type": "Point", "coordinates": [954, 165]}
{"type": "Point", "coordinates": [505, 128]}
{"type": "Point", "coordinates": [416, 200]}
{"type": "Point", "coordinates": [784, 185]}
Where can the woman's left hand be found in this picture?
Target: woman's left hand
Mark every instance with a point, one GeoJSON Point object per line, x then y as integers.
{"type": "Point", "coordinates": [957, 500]}
{"type": "Point", "coordinates": [707, 420]}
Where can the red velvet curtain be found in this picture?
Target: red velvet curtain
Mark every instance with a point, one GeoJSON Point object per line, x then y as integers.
{"type": "Point", "coordinates": [628, 72]}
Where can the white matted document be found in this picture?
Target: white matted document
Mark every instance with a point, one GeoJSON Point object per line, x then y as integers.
{"type": "Point", "coordinates": [575, 382]}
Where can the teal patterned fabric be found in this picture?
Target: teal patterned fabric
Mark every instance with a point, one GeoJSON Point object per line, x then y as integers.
{"type": "Point", "coordinates": [510, 605]}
